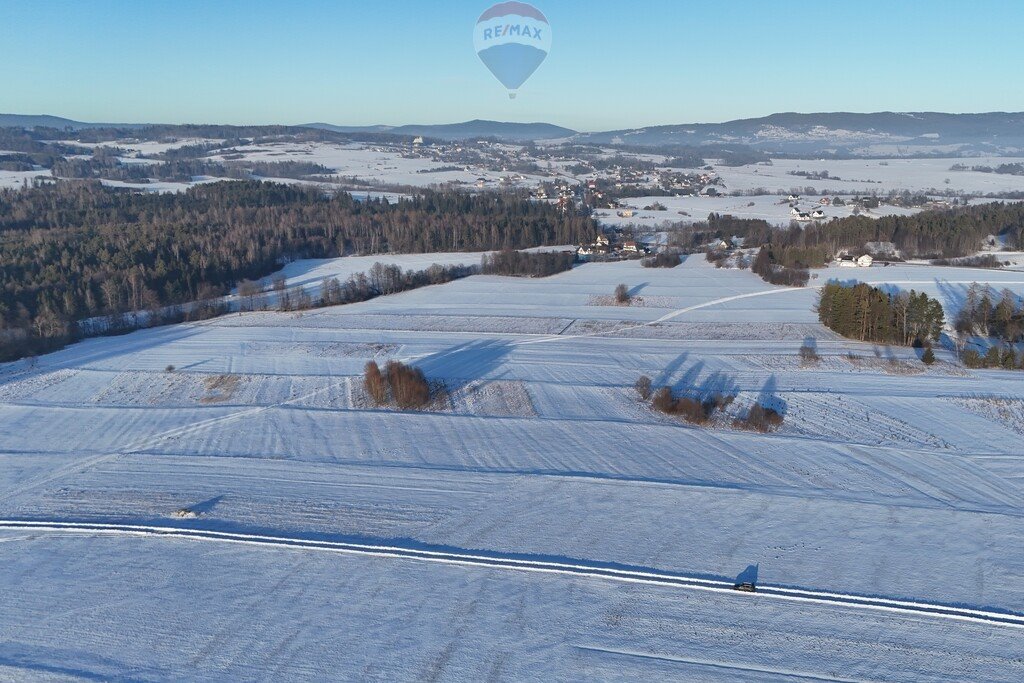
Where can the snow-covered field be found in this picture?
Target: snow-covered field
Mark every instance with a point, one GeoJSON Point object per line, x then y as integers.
{"type": "Point", "coordinates": [377, 165]}
{"type": "Point", "coordinates": [15, 180]}
{"type": "Point", "coordinates": [693, 209]}
{"type": "Point", "coordinates": [542, 523]}
{"type": "Point", "coordinates": [874, 176]}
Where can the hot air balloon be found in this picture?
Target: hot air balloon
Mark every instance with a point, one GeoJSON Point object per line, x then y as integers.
{"type": "Point", "coordinates": [512, 39]}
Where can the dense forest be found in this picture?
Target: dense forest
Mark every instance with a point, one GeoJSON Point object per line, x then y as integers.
{"type": "Point", "coordinates": [105, 164]}
{"type": "Point", "coordinates": [870, 314]}
{"type": "Point", "coordinates": [77, 250]}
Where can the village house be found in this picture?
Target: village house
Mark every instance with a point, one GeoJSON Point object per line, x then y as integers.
{"type": "Point", "coordinates": [864, 261]}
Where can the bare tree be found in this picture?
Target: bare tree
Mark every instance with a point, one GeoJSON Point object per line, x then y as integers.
{"type": "Point", "coordinates": [643, 387]}
{"type": "Point", "coordinates": [248, 289]}
{"type": "Point", "coordinates": [375, 384]}
{"type": "Point", "coordinates": [622, 294]}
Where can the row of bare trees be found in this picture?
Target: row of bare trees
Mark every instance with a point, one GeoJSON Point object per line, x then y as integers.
{"type": "Point", "coordinates": [699, 408]}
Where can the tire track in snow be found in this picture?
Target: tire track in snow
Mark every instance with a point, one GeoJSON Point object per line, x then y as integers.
{"type": "Point", "coordinates": [564, 567]}
{"type": "Point", "coordinates": [668, 316]}
{"type": "Point", "coordinates": [737, 667]}
{"type": "Point", "coordinates": [152, 441]}
{"type": "Point", "coordinates": [664, 318]}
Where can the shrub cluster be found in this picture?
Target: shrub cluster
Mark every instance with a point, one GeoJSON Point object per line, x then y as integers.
{"type": "Point", "coordinates": [759, 419]}
{"type": "Point", "coordinates": [717, 257]}
{"type": "Point", "coordinates": [699, 407]}
{"type": "Point", "coordinates": [405, 385]}
{"type": "Point", "coordinates": [1005, 359]}
{"type": "Point", "coordinates": [665, 259]}
{"type": "Point", "coordinates": [622, 295]}
{"type": "Point", "coordinates": [776, 274]}
{"type": "Point", "coordinates": [643, 387]}
{"type": "Point", "coordinates": [408, 385]}
{"type": "Point", "coordinates": [693, 410]}
{"type": "Point", "coordinates": [983, 261]}
{"type": "Point", "coordinates": [375, 384]}
{"type": "Point", "coordinates": [809, 354]}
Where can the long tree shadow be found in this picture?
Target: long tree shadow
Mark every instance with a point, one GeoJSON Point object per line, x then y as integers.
{"type": "Point", "coordinates": [466, 362]}
{"type": "Point", "coordinates": [952, 296]}
{"type": "Point", "coordinates": [768, 396]}
{"type": "Point", "coordinates": [665, 376]}
{"type": "Point", "coordinates": [97, 350]}
{"type": "Point", "coordinates": [689, 378]}
{"type": "Point", "coordinates": [206, 506]}
{"type": "Point", "coordinates": [638, 288]}
{"type": "Point", "coordinates": [717, 385]}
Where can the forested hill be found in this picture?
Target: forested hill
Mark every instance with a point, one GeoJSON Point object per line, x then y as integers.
{"type": "Point", "coordinates": [77, 250]}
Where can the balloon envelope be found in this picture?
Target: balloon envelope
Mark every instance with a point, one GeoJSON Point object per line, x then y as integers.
{"type": "Point", "coordinates": [512, 39]}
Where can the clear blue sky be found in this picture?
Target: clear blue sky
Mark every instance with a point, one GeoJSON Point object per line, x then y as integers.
{"type": "Point", "coordinates": [612, 64]}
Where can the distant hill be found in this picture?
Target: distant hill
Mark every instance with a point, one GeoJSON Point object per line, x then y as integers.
{"type": "Point", "coordinates": [834, 133]}
{"type": "Point", "coordinates": [495, 129]}
{"type": "Point", "coordinates": [347, 129]}
{"type": "Point", "coordinates": [47, 121]}
{"type": "Point", "coordinates": [462, 131]}
{"type": "Point", "coordinates": [892, 132]}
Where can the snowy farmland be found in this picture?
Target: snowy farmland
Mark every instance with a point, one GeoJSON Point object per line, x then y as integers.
{"type": "Point", "coordinates": [774, 209]}
{"type": "Point", "coordinates": [251, 515]}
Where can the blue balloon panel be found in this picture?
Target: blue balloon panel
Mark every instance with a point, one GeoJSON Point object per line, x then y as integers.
{"type": "Point", "coordinates": [512, 63]}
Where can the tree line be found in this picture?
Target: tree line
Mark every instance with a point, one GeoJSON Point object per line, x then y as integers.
{"type": "Point", "coordinates": [995, 316]}
{"type": "Point", "coordinates": [79, 250]}
{"type": "Point", "coordinates": [665, 259]}
{"type": "Point", "coordinates": [108, 166]}
{"type": "Point", "coordinates": [929, 234]}
{"type": "Point", "coordinates": [870, 314]}
{"type": "Point", "coordinates": [988, 314]}
{"type": "Point", "coordinates": [525, 263]}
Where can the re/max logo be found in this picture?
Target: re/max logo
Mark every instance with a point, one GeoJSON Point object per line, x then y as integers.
{"type": "Point", "coordinates": [512, 30]}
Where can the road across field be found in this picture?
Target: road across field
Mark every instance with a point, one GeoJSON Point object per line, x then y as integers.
{"type": "Point", "coordinates": [496, 561]}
